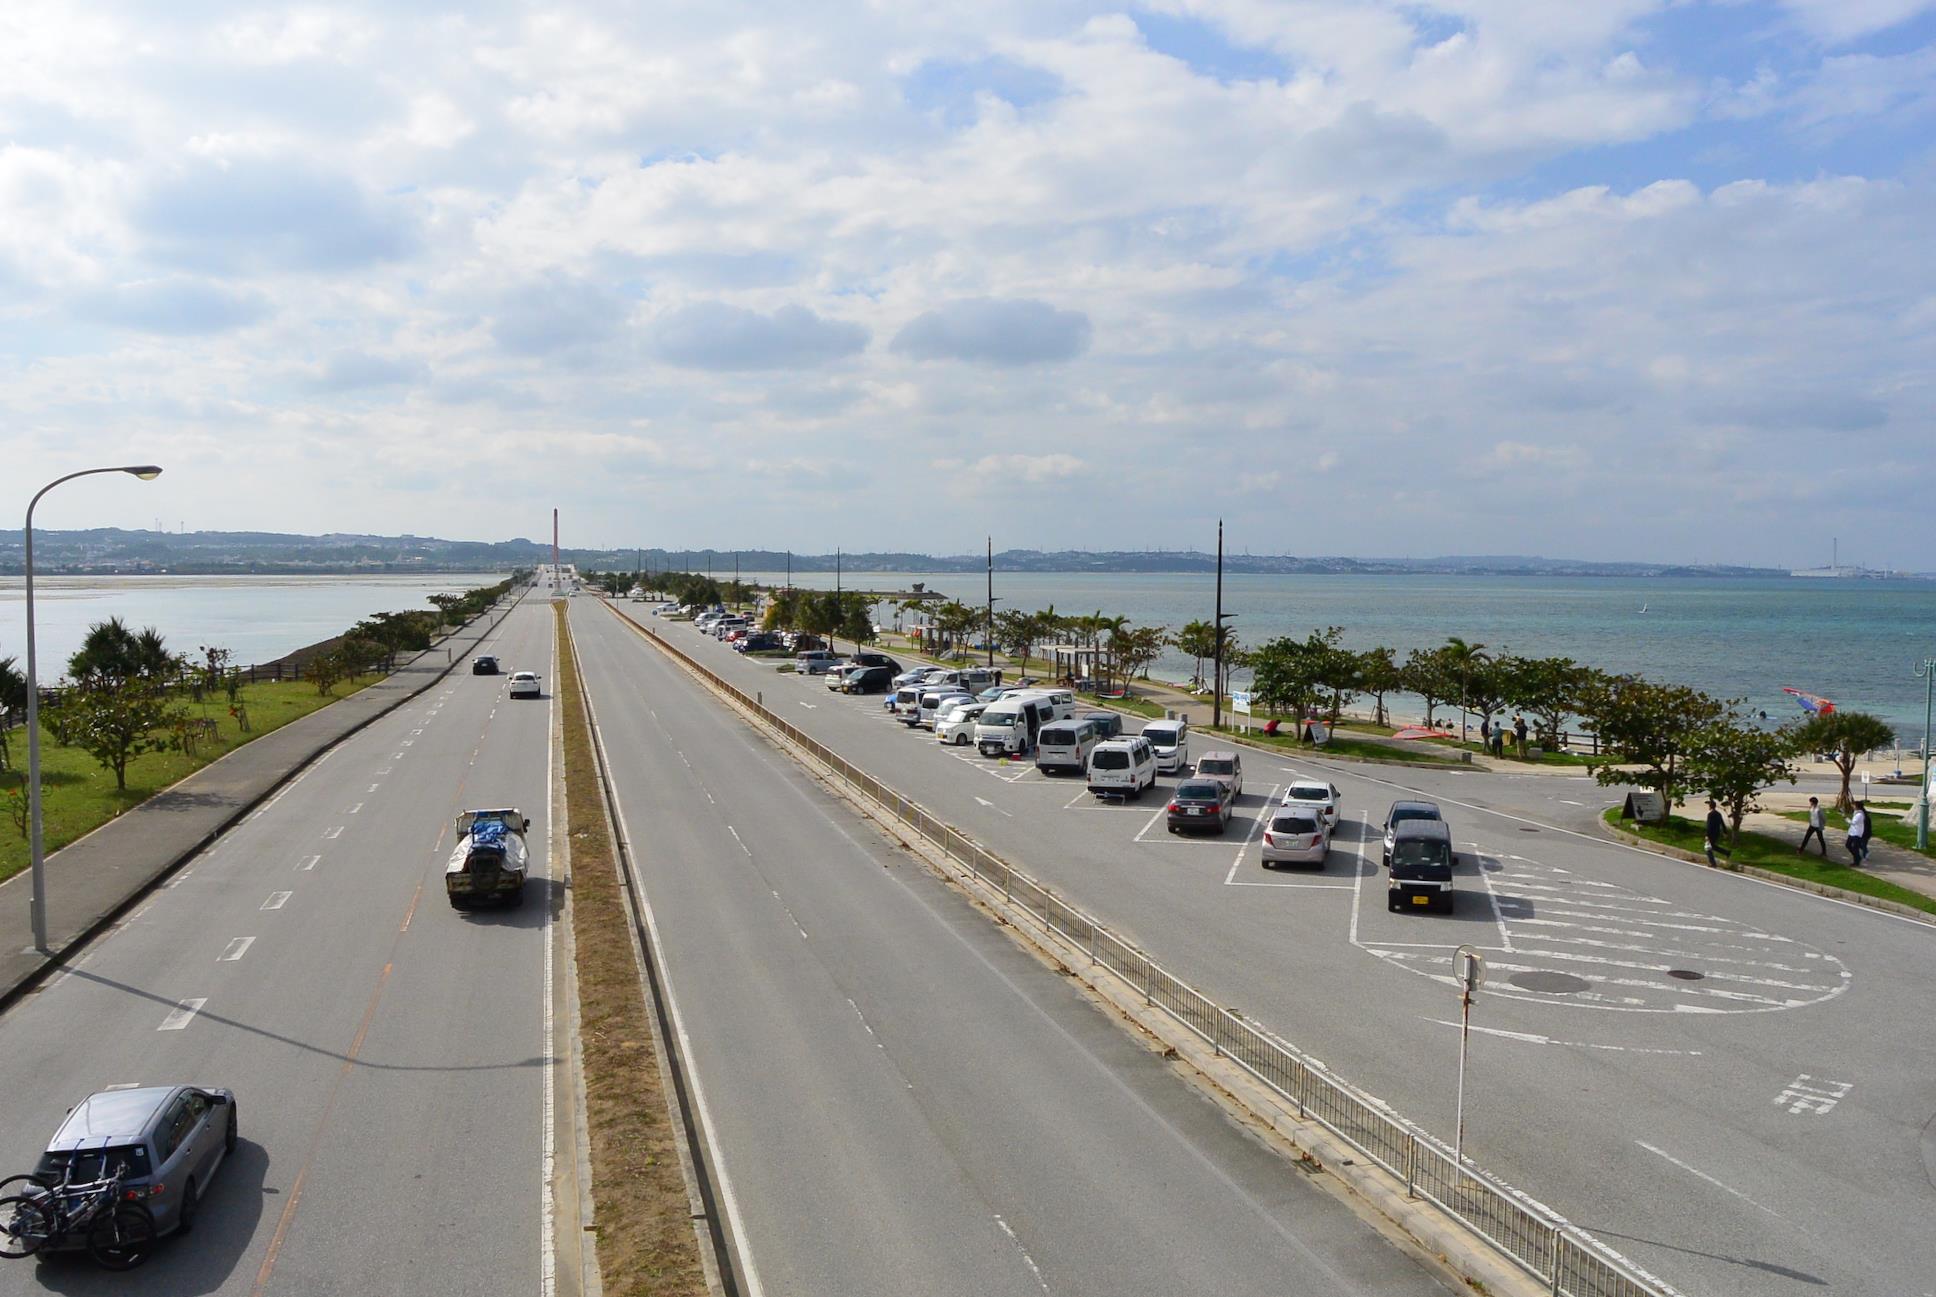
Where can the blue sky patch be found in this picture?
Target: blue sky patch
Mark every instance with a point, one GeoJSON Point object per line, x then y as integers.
{"type": "Point", "coordinates": [949, 89]}
{"type": "Point", "coordinates": [1207, 51]}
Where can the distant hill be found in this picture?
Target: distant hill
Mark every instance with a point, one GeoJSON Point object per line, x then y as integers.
{"type": "Point", "coordinates": [113, 549]}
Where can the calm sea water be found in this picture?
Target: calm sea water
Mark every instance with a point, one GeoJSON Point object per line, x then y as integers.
{"type": "Point", "coordinates": [258, 618]}
{"type": "Point", "coordinates": [1855, 642]}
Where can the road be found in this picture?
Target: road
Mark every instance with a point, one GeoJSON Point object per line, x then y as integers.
{"type": "Point", "coordinates": [390, 1056]}
{"type": "Point", "coordinates": [904, 1100]}
{"type": "Point", "coordinates": [1729, 1081]}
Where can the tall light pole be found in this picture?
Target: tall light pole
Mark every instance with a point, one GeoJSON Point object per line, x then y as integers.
{"type": "Point", "coordinates": [989, 633]}
{"type": "Point", "coordinates": [1927, 673]}
{"type": "Point", "coordinates": [147, 473]}
{"type": "Point", "coordinates": [1216, 684]}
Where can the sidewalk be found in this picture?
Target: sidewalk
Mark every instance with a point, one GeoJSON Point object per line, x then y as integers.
{"type": "Point", "coordinates": [1899, 865]}
{"type": "Point", "coordinates": [91, 880]}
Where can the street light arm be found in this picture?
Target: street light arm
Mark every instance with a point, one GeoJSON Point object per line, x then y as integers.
{"type": "Point", "coordinates": [147, 472]}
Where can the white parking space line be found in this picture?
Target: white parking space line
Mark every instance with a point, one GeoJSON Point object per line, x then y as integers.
{"type": "Point", "coordinates": [308, 863]}
{"type": "Point", "coordinates": [1536, 1038]}
{"type": "Point", "coordinates": [1702, 1175]}
{"type": "Point", "coordinates": [182, 1014]}
{"type": "Point", "coordinates": [235, 950]}
{"type": "Point", "coordinates": [277, 900]}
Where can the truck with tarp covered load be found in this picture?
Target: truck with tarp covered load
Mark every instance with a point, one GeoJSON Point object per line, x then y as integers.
{"type": "Point", "coordinates": [490, 861]}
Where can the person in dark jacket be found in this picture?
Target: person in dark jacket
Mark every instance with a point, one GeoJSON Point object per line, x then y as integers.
{"type": "Point", "coordinates": [1519, 733]}
{"type": "Point", "coordinates": [1716, 826]}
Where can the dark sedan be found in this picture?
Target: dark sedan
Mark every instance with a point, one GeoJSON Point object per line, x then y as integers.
{"type": "Point", "coordinates": [484, 666]}
{"type": "Point", "coordinates": [1201, 804]}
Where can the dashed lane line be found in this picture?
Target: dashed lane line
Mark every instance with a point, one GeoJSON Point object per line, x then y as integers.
{"type": "Point", "coordinates": [182, 1014]}
{"type": "Point", "coordinates": [235, 950]}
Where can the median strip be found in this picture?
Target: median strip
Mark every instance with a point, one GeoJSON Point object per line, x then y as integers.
{"type": "Point", "coordinates": [642, 1207]}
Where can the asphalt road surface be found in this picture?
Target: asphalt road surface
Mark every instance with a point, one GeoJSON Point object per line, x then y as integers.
{"type": "Point", "coordinates": [1731, 1082]}
{"type": "Point", "coordinates": [904, 1100]}
{"type": "Point", "coordinates": [389, 1055]}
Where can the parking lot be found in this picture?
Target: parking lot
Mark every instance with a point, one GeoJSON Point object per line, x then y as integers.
{"type": "Point", "coordinates": [1648, 1030]}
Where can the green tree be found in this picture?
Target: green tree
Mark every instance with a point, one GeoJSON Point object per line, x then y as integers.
{"type": "Point", "coordinates": [13, 698]}
{"type": "Point", "coordinates": [1651, 725]}
{"type": "Point", "coordinates": [857, 619]}
{"type": "Point", "coordinates": [1428, 674]}
{"type": "Point", "coordinates": [109, 652]}
{"type": "Point", "coordinates": [1465, 662]}
{"type": "Point", "coordinates": [1378, 675]}
{"type": "Point", "coordinates": [1845, 736]}
{"type": "Point", "coordinates": [1134, 648]}
{"type": "Point", "coordinates": [1199, 639]}
{"type": "Point", "coordinates": [1733, 760]}
{"type": "Point", "coordinates": [1336, 669]}
{"type": "Point", "coordinates": [116, 720]}
{"type": "Point", "coordinates": [1549, 689]}
{"type": "Point", "coordinates": [1015, 631]}
{"type": "Point", "coordinates": [782, 611]}
{"type": "Point", "coordinates": [1284, 675]}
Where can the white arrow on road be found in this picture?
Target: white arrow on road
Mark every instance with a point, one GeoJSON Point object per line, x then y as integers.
{"type": "Point", "coordinates": [991, 806]}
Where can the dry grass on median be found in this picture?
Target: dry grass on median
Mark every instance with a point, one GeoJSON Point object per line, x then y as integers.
{"type": "Point", "coordinates": [643, 1216]}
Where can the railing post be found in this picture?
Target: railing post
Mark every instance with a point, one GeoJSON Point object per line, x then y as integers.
{"type": "Point", "coordinates": [1008, 873]}
{"type": "Point", "coordinates": [1216, 1037]}
{"type": "Point", "coordinates": [1411, 1165]}
{"type": "Point", "coordinates": [1149, 976]}
{"type": "Point", "coordinates": [1559, 1237]}
{"type": "Point", "coordinates": [1092, 943]}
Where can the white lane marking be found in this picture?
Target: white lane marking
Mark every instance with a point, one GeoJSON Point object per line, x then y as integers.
{"type": "Point", "coordinates": [183, 1013]}
{"type": "Point", "coordinates": [308, 863]}
{"type": "Point", "coordinates": [277, 900]}
{"type": "Point", "coordinates": [374, 787]}
{"type": "Point", "coordinates": [1161, 811]}
{"type": "Point", "coordinates": [1812, 1095]}
{"type": "Point", "coordinates": [1498, 915]}
{"type": "Point", "coordinates": [415, 732]}
{"type": "Point", "coordinates": [405, 743]}
{"type": "Point", "coordinates": [1568, 801]}
{"type": "Point", "coordinates": [809, 706]}
{"type": "Point", "coordinates": [1026, 1258]}
{"type": "Point", "coordinates": [991, 806]}
{"type": "Point", "coordinates": [1535, 1038]}
{"type": "Point", "coordinates": [742, 842]}
{"type": "Point", "coordinates": [236, 949]}
{"type": "Point", "coordinates": [547, 1165]}
{"type": "Point", "coordinates": [356, 809]}
{"type": "Point", "coordinates": [334, 833]}
{"type": "Point", "coordinates": [1266, 882]}
{"type": "Point", "coordinates": [1263, 813]}
{"type": "Point", "coordinates": [1358, 878]}
{"type": "Point", "coordinates": [1699, 1174]}
{"type": "Point", "coordinates": [864, 1025]}
{"type": "Point", "coordinates": [749, 1275]}
{"type": "Point", "coordinates": [397, 756]}
{"type": "Point", "coordinates": [384, 771]}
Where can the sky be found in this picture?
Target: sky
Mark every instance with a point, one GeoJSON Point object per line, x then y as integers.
{"type": "Point", "coordinates": [1628, 279]}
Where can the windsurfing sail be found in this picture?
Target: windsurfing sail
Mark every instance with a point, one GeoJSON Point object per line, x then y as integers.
{"type": "Point", "coordinates": [1810, 703]}
{"type": "Point", "coordinates": [1418, 732]}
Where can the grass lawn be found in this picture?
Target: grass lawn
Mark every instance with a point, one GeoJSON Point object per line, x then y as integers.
{"type": "Point", "coordinates": [1545, 759]}
{"type": "Point", "coordinates": [1892, 829]}
{"type": "Point", "coordinates": [77, 795]}
{"type": "Point", "coordinates": [1339, 746]}
{"type": "Point", "coordinates": [1777, 855]}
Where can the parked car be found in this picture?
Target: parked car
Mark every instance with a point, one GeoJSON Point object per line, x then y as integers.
{"type": "Point", "coordinates": [1171, 739]}
{"type": "Point", "coordinates": [936, 701]}
{"type": "Point", "coordinates": [1295, 836]}
{"type": "Point", "coordinates": [1200, 804]}
{"type": "Point", "coordinates": [866, 680]}
{"type": "Point", "coordinates": [1009, 726]}
{"type": "Point", "coordinates": [813, 662]}
{"type": "Point", "coordinates": [1224, 764]}
{"type": "Point", "coordinates": [760, 641]}
{"type": "Point", "coordinates": [1122, 767]}
{"type": "Point", "coordinates": [1400, 812]}
{"type": "Point", "coordinates": [956, 728]}
{"type": "Point", "coordinates": [524, 684]}
{"type": "Point", "coordinates": [837, 677]}
{"type": "Point", "coordinates": [875, 660]}
{"type": "Point", "coordinates": [484, 666]}
{"type": "Point", "coordinates": [1421, 867]}
{"type": "Point", "coordinates": [1321, 797]}
{"type": "Point", "coordinates": [168, 1141]}
{"type": "Point", "coordinates": [1111, 723]}
{"type": "Point", "coordinates": [1067, 745]}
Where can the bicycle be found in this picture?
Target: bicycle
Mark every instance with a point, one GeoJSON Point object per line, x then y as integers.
{"type": "Point", "coordinates": [119, 1231]}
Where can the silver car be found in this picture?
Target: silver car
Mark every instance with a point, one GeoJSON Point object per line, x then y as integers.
{"type": "Point", "coordinates": [168, 1141]}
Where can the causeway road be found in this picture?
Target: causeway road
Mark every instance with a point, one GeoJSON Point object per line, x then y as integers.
{"type": "Point", "coordinates": [1730, 1082]}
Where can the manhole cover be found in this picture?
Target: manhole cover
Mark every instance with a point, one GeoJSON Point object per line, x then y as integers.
{"type": "Point", "coordinates": [1685, 974]}
{"type": "Point", "coordinates": [1555, 983]}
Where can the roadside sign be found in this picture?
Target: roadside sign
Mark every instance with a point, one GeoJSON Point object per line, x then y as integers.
{"type": "Point", "coordinates": [1470, 967]}
{"type": "Point", "coordinates": [1644, 807]}
{"type": "Point", "coordinates": [1240, 701]}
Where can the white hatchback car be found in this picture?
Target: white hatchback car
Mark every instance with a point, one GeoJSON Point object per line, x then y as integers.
{"type": "Point", "coordinates": [956, 728]}
{"type": "Point", "coordinates": [1296, 835]}
{"type": "Point", "coordinates": [524, 684]}
{"type": "Point", "coordinates": [1313, 795]}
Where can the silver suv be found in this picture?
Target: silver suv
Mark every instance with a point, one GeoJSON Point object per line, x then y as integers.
{"type": "Point", "coordinates": [167, 1141]}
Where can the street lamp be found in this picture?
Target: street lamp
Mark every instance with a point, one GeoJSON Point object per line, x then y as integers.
{"type": "Point", "coordinates": [1927, 673]}
{"type": "Point", "coordinates": [147, 473]}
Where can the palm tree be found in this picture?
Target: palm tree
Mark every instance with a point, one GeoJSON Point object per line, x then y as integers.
{"type": "Point", "coordinates": [1465, 659]}
{"type": "Point", "coordinates": [13, 696]}
{"type": "Point", "coordinates": [1199, 640]}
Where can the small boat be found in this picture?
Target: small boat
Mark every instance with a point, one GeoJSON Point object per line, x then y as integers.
{"type": "Point", "coordinates": [1643, 607]}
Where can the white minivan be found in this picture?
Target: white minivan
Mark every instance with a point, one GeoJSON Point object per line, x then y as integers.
{"type": "Point", "coordinates": [1009, 726]}
{"type": "Point", "coordinates": [1122, 767]}
{"type": "Point", "coordinates": [936, 701]}
{"type": "Point", "coordinates": [1066, 745]}
{"type": "Point", "coordinates": [1171, 739]}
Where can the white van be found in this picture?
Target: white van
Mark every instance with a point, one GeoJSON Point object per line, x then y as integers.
{"type": "Point", "coordinates": [1066, 745]}
{"type": "Point", "coordinates": [1122, 767]}
{"type": "Point", "coordinates": [936, 701]}
{"type": "Point", "coordinates": [1009, 726]}
{"type": "Point", "coordinates": [1171, 739]}
{"type": "Point", "coordinates": [1063, 701]}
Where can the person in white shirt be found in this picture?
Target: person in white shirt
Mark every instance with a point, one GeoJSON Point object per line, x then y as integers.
{"type": "Point", "coordinates": [1859, 832]}
{"type": "Point", "coordinates": [1817, 825]}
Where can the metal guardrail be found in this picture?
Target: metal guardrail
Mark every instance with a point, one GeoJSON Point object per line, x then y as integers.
{"type": "Point", "coordinates": [1571, 1262]}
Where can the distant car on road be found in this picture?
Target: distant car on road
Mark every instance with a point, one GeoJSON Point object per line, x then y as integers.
{"type": "Point", "coordinates": [166, 1142]}
{"type": "Point", "coordinates": [1201, 804]}
{"type": "Point", "coordinates": [484, 666]}
{"type": "Point", "coordinates": [524, 684]}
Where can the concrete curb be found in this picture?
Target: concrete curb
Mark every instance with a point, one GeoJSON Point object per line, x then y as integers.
{"type": "Point", "coordinates": [22, 981]}
{"type": "Point", "coordinates": [1768, 876]}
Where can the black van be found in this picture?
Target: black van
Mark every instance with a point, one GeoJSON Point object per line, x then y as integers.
{"type": "Point", "coordinates": [1421, 866]}
{"type": "Point", "coordinates": [869, 680]}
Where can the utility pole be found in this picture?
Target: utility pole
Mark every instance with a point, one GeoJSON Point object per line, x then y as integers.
{"type": "Point", "coordinates": [735, 579]}
{"type": "Point", "coordinates": [990, 631]}
{"type": "Point", "coordinates": [789, 585]}
{"type": "Point", "coordinates": [1927, 671]}
{"type": "Point", "coordinates": [1216, 683]}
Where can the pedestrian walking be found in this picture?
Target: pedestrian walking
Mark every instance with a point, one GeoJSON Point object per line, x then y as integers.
{"type": "Point", "coordinates": [1485, 733]}
{"type": "Point", "coordinates": [1519, 733]}
{"type": "Point", "coordinates": [1858, 842]}
{"type": "Point", "coordinates": [1716, 826]}
{"type": "Point", "coordinates": [1817, 824]}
